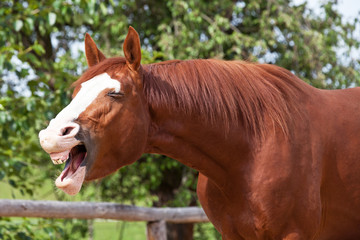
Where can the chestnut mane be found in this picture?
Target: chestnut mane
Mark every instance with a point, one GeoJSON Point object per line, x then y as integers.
{"type": "Point", "coordinates": [230, 92]}
{"type": "Point", "coordinates": [227, 92]}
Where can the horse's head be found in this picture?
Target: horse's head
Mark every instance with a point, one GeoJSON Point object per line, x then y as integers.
{"type": "Point", "coordinates": [106, 124]}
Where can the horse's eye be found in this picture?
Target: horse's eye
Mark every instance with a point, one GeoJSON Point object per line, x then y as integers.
{"type": "Point", "coordinates": [115, 94]}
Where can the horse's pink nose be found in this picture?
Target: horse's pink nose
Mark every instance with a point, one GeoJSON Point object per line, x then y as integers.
{"type": "Point", "coordinates": [57, 139]}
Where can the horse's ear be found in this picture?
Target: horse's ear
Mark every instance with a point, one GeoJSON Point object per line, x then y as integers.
{"type": "Point", "coordinates": [93, 54]}
{"type": "Point", "coordinates": [132, 49]}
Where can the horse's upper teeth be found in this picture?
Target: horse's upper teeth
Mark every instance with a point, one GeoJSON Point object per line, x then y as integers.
{"type": "Point", "coordinates": [58, 161]}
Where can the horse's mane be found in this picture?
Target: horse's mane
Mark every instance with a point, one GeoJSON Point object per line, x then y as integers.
{"type": "Point", "coordinates": [227, 92]}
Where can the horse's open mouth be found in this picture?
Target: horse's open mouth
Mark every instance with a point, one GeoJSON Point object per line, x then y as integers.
{"type": "Point", "coordinates": [73, 175]}
{"type": "Point", "coordinates": [76, 157]}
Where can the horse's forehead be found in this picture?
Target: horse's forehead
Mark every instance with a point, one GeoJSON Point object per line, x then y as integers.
{"type": "Point", "coordinates": [88, 92]}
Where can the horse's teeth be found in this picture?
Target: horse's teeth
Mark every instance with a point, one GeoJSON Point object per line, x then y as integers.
{"type": "Point", "coordinates": [57, 161]}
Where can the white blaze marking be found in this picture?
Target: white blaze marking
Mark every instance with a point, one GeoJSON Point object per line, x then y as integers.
{"type": "Point", "coordinates": [88, 93]}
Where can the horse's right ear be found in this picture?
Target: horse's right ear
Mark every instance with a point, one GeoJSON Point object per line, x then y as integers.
{"type": "Point", "coordinates": [93, 54]}
{"type": "Point", "coordinates": [132, 49]}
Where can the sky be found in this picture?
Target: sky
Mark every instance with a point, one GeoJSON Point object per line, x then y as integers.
{"type": "Point", "coordinates": [348, 8]}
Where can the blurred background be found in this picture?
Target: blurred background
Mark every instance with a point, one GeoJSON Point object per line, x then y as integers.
{"type": "Point", "coordinates": [42, 53]}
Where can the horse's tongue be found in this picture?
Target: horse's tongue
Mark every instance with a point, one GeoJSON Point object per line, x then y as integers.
{"type": "Point", "coordinates": [72, 181]}
{"type": "Point", "coordinates": [76, 161]}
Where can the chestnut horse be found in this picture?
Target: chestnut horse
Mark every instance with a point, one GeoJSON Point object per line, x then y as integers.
{"type": "Point", "coordinates": [277, 158]}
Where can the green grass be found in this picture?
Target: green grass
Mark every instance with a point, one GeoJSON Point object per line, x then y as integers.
{"type": "Point", "coordinates": [6, 192]}
{"type": "Point", "coordinates": [119, 230]}
{"type": "Point", "coordinates": [45, 193]}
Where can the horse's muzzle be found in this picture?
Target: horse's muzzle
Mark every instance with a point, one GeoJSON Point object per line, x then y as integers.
{"type": "Point", "coordinates": [56, 138]}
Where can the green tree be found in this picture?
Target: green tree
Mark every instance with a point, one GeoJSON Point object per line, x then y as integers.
{"type": "Point", "coordinates": [39, 59]}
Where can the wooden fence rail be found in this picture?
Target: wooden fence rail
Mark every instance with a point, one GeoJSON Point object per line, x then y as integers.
{"type": "Point", "coordinates": [156, 217]}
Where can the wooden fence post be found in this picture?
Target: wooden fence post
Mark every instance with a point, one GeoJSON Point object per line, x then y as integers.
{"type": "Point", "coordinates": [156, 230]}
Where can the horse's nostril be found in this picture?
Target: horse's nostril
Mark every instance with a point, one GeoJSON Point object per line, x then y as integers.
{"type": "Point", "coordinates": [67, 130]}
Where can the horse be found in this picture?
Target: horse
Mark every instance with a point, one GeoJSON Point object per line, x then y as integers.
{"type": "Point", "coordinates": [277, 158]}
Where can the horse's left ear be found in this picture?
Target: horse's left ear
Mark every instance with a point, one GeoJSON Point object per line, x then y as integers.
{"type": "Point", "coordinates": [132, 49]}
{"type": "Point", "coordinates": [93, 54]}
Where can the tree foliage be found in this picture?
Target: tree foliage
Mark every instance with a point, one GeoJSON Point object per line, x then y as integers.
{"type": "Point", "coordinates": [40, 56]}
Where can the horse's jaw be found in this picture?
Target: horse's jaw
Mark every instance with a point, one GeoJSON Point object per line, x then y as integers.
{"type": "Point", "coordinates": [72, 177]}
{"type": "Point", "coordinates": [71, 184]}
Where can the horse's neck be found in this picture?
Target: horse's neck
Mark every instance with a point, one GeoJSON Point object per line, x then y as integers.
{"type": "Point", "coordinates": [200, 147]}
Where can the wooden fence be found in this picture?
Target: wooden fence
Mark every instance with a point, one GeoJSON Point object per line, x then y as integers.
{"type": "Point", "coordinates": [156, 218]}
